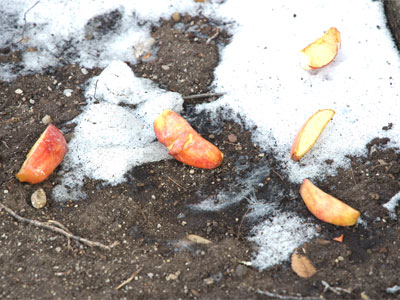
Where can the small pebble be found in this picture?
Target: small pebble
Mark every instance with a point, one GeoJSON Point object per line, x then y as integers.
{"type": "Point", "coordinates": [58, 249]}
{"type": "Point", "coordinates": [217, 277]}
{"type": "Point", "coordinates": [191, 171]}
{"type": "Point", "coordinates": [84, 71]}
{"type": "Point", "coordinates": [46, 120]}
{"type": "Point", "coordinates": [176, 17]}
{"type": "Point", "coordinates": [208, 281]}
{"type": "Point", "coordinates": [31, 101]}
{"type": "Point", "coordinates": [165, 67]}
{"type": "Point", "coordinates": [38, 198]}
{"type": "Point", "coordinates": [18, 91]}
{"type": "Point", "coordinates": [232, 138]}
{"type": "Point", "coordinates": [67, 92]}
{"type": "Point", "coordinates": [364, 296]}
{"type": "Point", "coordinates": [240, 271]}
{"type": "Point", "coordinates": [393, 290]}
{"type": "Point", "coordinates": [173, 276]}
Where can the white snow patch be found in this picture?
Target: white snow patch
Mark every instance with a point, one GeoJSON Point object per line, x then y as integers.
{"type": "Point", "coordinates": [74, 31]}
{"type": "Point", "coordinates": [259, 73]}
{"type": "Point", "coordinates": [264, 84]}
{"type": "Point", "coordinates": [236, 192]}
{"type": "Point", "coordinates": [392, 204]}
{"type": "Point", "coordinates": [277, 237]}
{"type": "Point", "coordinates": [110, 139]}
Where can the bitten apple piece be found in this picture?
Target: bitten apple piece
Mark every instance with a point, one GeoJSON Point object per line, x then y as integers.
{"type": "Point", "coordinates": [326, 207]}
{"type": "Point", "coordinates": [47, 153]}
{"type": "Point", "coordinates": [309, 133]}
{"type": "Point", "coordinates": [184, 143]}
{"type": "Point", "coordinates": [322, 51]}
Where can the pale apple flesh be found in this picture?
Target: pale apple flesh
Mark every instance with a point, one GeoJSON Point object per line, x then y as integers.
{"type": "Point", "coordinates": [326, 207]}
{"type": "Point", "coordinates": [309, 133]}
{"type": "Point", "coordinates": [184, 143]}
{"type": "Point", "coordinates": [322, 51]}
{"type": "Point", "coordinates": [44, 157]}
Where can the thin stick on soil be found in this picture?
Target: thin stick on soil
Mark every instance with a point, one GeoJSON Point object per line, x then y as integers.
{"type": "Point", "coordinates": [206, 95]}
{"type": "Point", "coordinates": [59, 225]}
{"type": "Point", "coordinates": [136, 273]}
{"type": "Point", "coordinates": [283, 297]}
{"type": "Point", "coordinates": [336, 290]}
{"type": "Point", "coordinates": [56, 229]}
{"type": "Point", "coordinates": [352, 174]}
{"type": "Point", "coordinates": [382, 165]}
{"type": "Point", "coordinates": [277, 174]}
{"type": "Point", "coordinates": [179, 185]}
{"type": "Point", "coordinates": [95, 90]}
{"type": "Point", "coordinates": [214, 36]}
{"type": "Point", "coordinates": [24, 29]}
{"type": "Point", "coordinates": [241, 222]}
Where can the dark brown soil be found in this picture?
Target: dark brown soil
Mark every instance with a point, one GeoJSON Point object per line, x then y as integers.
{"type": "Point", "coordinates": [149, 216]}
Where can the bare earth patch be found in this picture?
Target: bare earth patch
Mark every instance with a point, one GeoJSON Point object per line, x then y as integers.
{"type": "Point", "coordinates": [149, 215]}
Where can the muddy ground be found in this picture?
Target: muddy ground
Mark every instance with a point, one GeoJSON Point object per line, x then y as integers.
{"type": "Point", "coordinates": [144, 215]}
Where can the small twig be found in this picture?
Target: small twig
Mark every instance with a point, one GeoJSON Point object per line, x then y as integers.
{"type": "Point", "coordinates": [283, 297]}
{"type": "Point", "coordinates": [279, 175]}
{"type": "Point", "coordinates": [241, 222]}
{"type": "Point", "coordinates": [245, 263]}
{"type": "Point", "coordinates": [5, 144]}
{"type": "Point", "coordinates": [214, 36]}
{"type": "Point", "coordinates": [336, 290]}
{"type": "Point", "coordinates": [136, 273]}
{"type": "Point", "coordinates": [181, 186]}
{"type": "Point", "coordinates": [382, 165]}
{"type": "Point", "coordinates": [352, 174]}
{"type": "Point", "coordinates": [56, 229]}
{"type": "Point", "coordinates": [95, 89]}
{"type": "Point", "coordinates": [23, 30]}
{"type": "Point", "coordinates": [205, 95]}
{"type": "Point", "coordinates": [59, 225]}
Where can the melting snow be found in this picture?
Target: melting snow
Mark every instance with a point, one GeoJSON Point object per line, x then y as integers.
{"type": "Point", "coordinates": [259, 73]}
{"type": "Point", "coordinates": [110, 139]}
{"type": "Point", "coordinates": [392, 204]}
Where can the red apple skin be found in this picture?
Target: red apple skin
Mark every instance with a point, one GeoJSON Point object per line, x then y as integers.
{"type": "Point", "coordinates": [47, 153]}
{"type": "Point", "coordinates": [293, 150]}
{"type": "Point", "coordinates": [326, 207]}
{"type": "Point", "coordinates": [184, 143]}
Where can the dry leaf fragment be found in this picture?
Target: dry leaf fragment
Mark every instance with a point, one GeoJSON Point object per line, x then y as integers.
{"type": "Point", "coordinates": [302, 266]}
{"type": "Point", "coordinates": [198, 239]}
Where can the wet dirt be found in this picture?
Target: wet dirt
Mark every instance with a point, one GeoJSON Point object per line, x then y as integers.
{"type": "Point", "coordinates": [149, 214]}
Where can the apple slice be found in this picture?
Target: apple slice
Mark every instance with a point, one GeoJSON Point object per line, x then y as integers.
{"type": "Point", "coordinates": [326, 207]}
{"type": "Point", "coordinates": [184, 143]}
{"type": "Point", "coordinates": [322, 51]}
{"type": "Point", "coordinates": [309, 133]}
{"type": "Point", "coordinates": [47, 153]}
